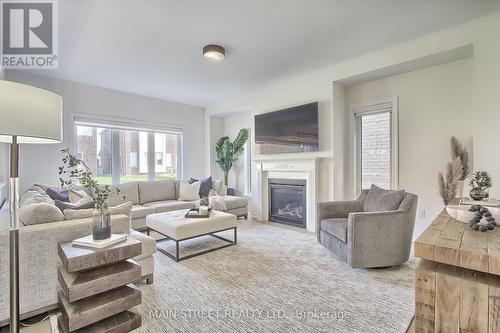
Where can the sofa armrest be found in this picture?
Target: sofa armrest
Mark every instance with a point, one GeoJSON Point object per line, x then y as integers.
{"type": "Point", "coordinates": [38, 260]}
{"type": "Point", "coordinates": [338, 209]}
{"type": "Point", "coordinates": [377, 239]}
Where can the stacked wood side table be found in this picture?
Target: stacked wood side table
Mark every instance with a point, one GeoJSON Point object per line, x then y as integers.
{"type": "Point", "coordinates": [96, 293]}
{"type": "Point", "coordinates": [458, 278]}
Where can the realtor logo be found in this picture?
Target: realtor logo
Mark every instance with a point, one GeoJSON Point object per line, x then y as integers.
{"type": "Point", "coordinates": [29, 34]}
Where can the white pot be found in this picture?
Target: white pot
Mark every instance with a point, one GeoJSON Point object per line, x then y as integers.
{"type": "Point", "coordinates": [461, 212]}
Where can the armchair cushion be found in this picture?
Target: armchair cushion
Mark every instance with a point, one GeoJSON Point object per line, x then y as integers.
{"type": "Point", "coordinates": [378, 199]}
{"type": "Point", "coordinates": [336, 227]}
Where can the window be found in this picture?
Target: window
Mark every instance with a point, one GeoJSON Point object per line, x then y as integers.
{"type": "Point", "coordinates": [376, 146]}
{"type": "Point", "coordinates": [130, 148]}
{"type": "Point", "coordinates": [120, 154]}
{"type": "Point", "coordinates": [167, 155]}
{"type": "Point", "coordinates": [93, 146]}
{"type": "Point", "coordinates": [159, 159]}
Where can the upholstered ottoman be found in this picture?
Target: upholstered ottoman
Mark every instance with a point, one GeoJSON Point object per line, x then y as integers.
{"type": "Point", "coordinates": [175, 226]}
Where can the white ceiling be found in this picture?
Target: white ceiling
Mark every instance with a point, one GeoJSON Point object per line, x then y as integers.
{"type": "Point", "coordinates": [153, 47]}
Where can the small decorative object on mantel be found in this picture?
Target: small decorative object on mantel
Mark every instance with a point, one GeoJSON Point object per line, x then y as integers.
{"type": "Point", "coordinates": [78, 172]}
{"type": "Point", "coordinates": [480, 184]}
{"type": "Point", "coordinates": [481, 212]}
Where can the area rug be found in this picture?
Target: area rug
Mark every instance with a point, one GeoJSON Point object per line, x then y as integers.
{"type": "Point", "coordinates": [275, 280]}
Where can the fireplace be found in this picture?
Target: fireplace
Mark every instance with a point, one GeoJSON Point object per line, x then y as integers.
{"type": "Point", "coordinates": [287, 201]}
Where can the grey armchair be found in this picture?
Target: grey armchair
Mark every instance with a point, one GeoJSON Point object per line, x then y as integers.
{"type": "Point", "coordinates": [367, 239]}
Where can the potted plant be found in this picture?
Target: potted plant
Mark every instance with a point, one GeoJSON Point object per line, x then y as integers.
{"type": "Point", "coordinates": [228, 151]}
{"type": "Point", "coordinates": [480, 183]}
{"type": "Point", "coordinates": [78, 172]}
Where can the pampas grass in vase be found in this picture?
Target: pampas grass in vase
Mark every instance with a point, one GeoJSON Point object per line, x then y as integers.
{"type": "Point", "coordinates": [448, 186]}
{"type": "Point", "coordinates": [458, 151]}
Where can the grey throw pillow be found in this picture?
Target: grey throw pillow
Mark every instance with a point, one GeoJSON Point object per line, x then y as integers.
{"type": "Point", "coordinates": [60, 194]}
{"type": "Point", "coordinates": [379, 200]}
{"type": "Point", "coordinates": [205, 185]}
{"type": "Point", "coordinates": [84, 203]}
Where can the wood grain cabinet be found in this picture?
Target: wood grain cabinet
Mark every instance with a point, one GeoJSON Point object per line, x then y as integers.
{"type": "Point", "coordinates": [457, 286]}
{"type": "Point", "coordinates": [96, 292]}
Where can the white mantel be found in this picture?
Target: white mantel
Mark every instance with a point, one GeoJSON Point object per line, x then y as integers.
{"type": "Point", "coordinates": [304, 168]}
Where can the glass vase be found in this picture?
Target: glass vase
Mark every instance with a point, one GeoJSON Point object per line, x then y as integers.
{"type": "Point", "coordinates": [102, 223]}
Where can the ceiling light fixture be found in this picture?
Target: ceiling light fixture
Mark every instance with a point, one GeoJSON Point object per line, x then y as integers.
{"type": "Point", "coordinates": [214, 53]}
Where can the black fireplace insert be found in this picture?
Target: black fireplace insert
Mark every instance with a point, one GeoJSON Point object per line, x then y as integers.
{"type": "Point", "coordinates": [287, 201]}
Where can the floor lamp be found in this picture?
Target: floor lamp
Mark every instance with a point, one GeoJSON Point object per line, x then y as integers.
{"type": "Point", "coordinates": [27, 115]}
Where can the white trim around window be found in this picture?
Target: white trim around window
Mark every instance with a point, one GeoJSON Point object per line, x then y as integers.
{"type": "Point", "coordinates": [388, 105]}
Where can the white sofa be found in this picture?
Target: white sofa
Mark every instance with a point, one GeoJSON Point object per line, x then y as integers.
{"type": "Point", "coordinates": [149, 197]}
{"type": "Point", "coordinates": [39, 241]}
{"type": "Point", "coordinates": [38, 257]}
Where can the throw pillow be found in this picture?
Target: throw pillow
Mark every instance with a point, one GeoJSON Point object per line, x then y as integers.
{"type": "Point", "coordinates": [379, 199]}
{"type": "Point", "coordinates": [84, 203]}
{"type": "Point", "coordinates": [37, 213]}
{"type": "Point", "coordinates": [217, 203]}
{"type": "Point", "coordinates": [74, 195]}
{"type": "Point", "coordinates": [189, 192]}
{"type": "Point", "coordinates": [212, 193]}
{"type": "Point", "coordinates": [205, 186]}
{"type": "Point", "coordinates": [60, 194]}
{"type": "Point", "coordinates": [73, 214]}
{"type": "Point", "coordinates": [223, 191]}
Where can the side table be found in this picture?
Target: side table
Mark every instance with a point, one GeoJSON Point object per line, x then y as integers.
{"type": "Point", "coordinates": [96, 293]}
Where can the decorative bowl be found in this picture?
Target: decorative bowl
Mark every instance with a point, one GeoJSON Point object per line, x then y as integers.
{"type": "Point", "coordinates": [461, 212]}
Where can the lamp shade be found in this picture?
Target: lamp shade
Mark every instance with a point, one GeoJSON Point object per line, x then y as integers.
{"type": "Point", "coordinates": [31, 114]}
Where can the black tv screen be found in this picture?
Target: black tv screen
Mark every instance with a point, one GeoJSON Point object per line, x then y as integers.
{"type": "Point", "coordinates": [289, 130]}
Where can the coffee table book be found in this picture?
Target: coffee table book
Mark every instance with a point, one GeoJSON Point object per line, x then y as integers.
{"type": "Point", "coordinates": [89, 241]}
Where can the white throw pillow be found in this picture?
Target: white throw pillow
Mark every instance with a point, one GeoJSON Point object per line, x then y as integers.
{"type": "Point", "coordinates": [189, 192]}
{"type": "Point", "coordinates": [74, 195]}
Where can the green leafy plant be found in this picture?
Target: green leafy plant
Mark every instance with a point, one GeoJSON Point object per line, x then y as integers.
{"type": "Point", "coordinates": [228, 151]}
{"type": "Point", "coordinates": [482, 180]}
{"type": "Point", "coordinates": [76, 171]}
{"type": "Point", "coordinates": [204, 201]}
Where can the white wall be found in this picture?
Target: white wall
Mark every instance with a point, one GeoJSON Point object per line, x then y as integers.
{"type": "Point", "coordinates": [216, 132]}
{"type": "Point", "coordinates": [39, 162]}
{"type": "Point", "coordinates": [434, 104]}
{"type": "Point", "coordinates": [231, 126]}
{"type": "Point", "coordinates": [476, 99]}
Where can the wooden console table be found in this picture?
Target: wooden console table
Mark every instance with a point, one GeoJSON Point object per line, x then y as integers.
{"type": "Point", "coordinates": [96, 292]}
{"type": "Point", "coordinates": [457, 286]}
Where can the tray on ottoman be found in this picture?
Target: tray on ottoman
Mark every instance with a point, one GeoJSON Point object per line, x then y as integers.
{"type": "Point", "coordinates": [194, 213]}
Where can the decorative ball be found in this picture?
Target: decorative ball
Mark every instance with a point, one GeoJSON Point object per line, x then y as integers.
{"type": "Point", "coordinates": [478, 216]}
{"type": "Point", "coordinates": [483, 227]}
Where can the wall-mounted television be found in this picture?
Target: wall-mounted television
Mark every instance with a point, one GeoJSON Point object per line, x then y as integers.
{"type": "Point", "coordinates": [290, 130]}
